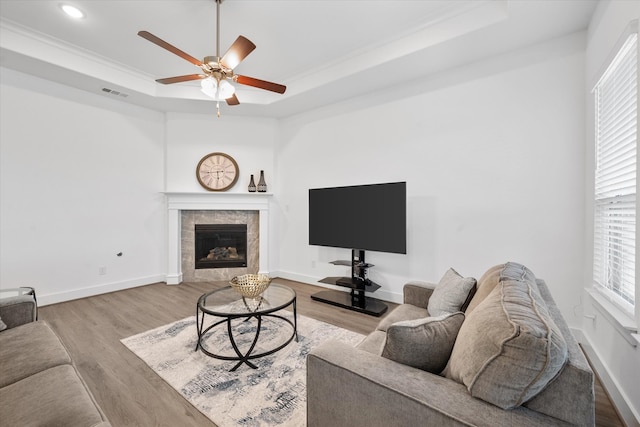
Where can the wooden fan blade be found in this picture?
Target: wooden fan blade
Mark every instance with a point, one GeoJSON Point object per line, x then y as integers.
{"type": "Point", "coordinates": [163, 44]}
{"type": "Point", "coordinates": [233, 100]}
{"type": "Point", "coordinates": [179, 79]}
{"type": "Point", "coordinates": [237, 52]}
{"type": "Point", "coordinates": [261, 84]}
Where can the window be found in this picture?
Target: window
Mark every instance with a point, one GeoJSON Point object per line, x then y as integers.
{"type": "Point", "coordinates": [616, 120]}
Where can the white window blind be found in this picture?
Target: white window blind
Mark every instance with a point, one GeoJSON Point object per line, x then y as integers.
{"type": "Point", "coordinates": [616, 99]}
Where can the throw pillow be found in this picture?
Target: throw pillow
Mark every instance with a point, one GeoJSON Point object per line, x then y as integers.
{"type": "Point", "coordinates": [509, 348]}
{"type": "Point", "coordinates": [423, 343]}
{"type": "Point", "coordinates": [486, 284]}
{"type": "Point", "coordinates": [3, 325]}
{"type": "Point", "coordinates": [450, 293]}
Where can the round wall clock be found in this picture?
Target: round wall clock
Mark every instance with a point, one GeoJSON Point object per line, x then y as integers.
{"type": "Point", "coordinates": [217, 172]}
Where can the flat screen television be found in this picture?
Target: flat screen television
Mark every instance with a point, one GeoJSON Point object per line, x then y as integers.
{"type": "Point", "coordinates": [363, 217]}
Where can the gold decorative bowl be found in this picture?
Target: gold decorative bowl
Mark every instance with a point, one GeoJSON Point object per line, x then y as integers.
{"type": "Point", "coordinates": [250, 285]}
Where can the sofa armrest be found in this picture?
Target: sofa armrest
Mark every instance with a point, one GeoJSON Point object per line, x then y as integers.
{"type": "Point", "coordinates": [418, 293]}
{"type": "Point", "coordinates": [351, 387]}
{"type": "Point", "coordinates": [18, 310]}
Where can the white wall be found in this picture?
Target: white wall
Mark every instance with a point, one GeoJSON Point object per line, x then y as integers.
{"type": "Point", "coordinates": [617, 361]}
{"type": "Point", "coordinates": [249, 140]}
{"type": "Point", "coordinates": [80, 181]}
{"type": "Point", "coordinates": [493, 158]}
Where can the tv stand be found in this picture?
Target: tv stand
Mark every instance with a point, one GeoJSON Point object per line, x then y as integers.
{"type": "Point", "coordinates": [358, 284]}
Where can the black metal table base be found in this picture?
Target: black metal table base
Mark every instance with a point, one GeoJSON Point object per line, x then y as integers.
{"type": "Point", "coordinates": [249, 355]}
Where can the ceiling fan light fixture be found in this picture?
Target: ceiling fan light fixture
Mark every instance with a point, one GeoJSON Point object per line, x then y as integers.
{"type": "Point", "coordinates": [225, 90]}
{"type": "Point", "coordinates": [219, 92]}
{"type": "Point", "coordinates": [209, 87]}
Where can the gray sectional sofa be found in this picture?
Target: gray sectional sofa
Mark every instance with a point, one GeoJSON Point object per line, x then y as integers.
{"type": "Point", "coordinates": [460, 353]}
{"type": "Point", "coordinates": [39, 384]}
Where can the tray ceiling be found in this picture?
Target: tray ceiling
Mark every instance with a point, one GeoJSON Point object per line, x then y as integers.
{"type": "Point", "coordinates": [324, 51]}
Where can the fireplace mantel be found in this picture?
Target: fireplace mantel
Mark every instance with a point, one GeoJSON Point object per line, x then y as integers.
{"type": "Point", "coordinates": [183, 201]}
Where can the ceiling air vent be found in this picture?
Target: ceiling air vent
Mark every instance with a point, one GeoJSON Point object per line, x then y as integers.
{"type": "Point", "coordinates": [114, 92]}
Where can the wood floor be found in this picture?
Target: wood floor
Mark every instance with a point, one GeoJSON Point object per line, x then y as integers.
{"type": "Point", "coordinates": [128, 391]}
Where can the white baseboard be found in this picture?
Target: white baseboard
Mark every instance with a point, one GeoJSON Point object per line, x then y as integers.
{"type": "Point", "coordinates": [54, 298]}
{"type": "Point", "coordinates": [608, 382]}
{"type": "Point", "coordinates": [300, 278]}
{"type": "Point", "coordinates": [173, 279]}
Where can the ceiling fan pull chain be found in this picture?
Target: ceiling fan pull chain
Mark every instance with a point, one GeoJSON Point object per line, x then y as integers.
{"type": "Point", "coordinates": [218, 108]}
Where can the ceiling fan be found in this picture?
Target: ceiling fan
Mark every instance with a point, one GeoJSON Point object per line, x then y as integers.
{"type": "Point", "coordinates": [217, 70]}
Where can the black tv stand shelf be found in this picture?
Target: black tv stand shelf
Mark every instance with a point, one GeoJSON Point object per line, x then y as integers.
{"type": "Point", "coordinates": [358, 283]}
{"type": "Point", "coordinates": [352, 283]}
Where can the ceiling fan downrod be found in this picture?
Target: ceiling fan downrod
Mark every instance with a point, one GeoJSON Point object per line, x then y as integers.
{"type": "Point", "coordinates": [218, 2]}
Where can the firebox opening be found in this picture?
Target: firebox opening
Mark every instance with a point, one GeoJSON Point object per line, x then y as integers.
{"type": "Point", "coordinates": [220, 245]}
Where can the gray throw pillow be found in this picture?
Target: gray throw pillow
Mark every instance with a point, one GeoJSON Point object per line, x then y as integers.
{"type": "Point", "coordinates": [423, 343]}
{"type": "Point", "coordinates": [450, 293]}
{"type": "Point", "coordinates": [3, 325]}
{"type": "Point", "coordinates": [509, 348]}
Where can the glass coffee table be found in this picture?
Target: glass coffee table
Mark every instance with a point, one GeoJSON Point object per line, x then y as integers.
{"type": "Point", "coordinates": [227, 304]}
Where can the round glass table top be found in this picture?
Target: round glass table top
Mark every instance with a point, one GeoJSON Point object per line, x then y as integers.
{"type": "Point", "coordinates": [227, 301]}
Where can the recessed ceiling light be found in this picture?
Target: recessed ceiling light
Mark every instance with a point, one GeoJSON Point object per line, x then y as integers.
{"type": "Point", "coordinates": [72, 11]}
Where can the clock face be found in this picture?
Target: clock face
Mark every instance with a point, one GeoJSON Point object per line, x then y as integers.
{"type": "Point", "coordinates": [217, 172]}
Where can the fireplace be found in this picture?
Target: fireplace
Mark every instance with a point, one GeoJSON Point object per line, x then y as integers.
{"type": "Point", "coordinates": [220, 245]}
{"type": "Point", "coordinates": [187, 209]}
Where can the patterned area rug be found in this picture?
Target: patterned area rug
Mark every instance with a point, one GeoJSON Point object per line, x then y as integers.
{"type": "Point", "coordinates": [273, 394]}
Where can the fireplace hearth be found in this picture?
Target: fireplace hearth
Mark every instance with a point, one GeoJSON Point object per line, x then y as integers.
{"type": "Point", "coordinates": [220, 245]}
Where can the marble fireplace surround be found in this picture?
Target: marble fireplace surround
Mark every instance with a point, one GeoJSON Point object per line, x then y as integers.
{"type": "Point", "coordinates": [178, 202]}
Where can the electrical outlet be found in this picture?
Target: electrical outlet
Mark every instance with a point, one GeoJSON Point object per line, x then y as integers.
{"type": "Point", "coordinates": [102, 271]}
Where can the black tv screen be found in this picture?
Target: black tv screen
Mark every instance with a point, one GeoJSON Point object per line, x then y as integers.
{"type": "Point", "coordinates": [366, 217]}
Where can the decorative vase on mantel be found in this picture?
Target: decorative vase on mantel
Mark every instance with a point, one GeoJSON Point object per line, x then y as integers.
{"type": "Point", "coordinates": [262, 184]}
{"type": "Point", "coordinates": [252, 185]}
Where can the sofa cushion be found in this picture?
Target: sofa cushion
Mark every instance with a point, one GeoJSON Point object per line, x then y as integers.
{"type": "Point", "coordinates": [423, 343]}
{"type": "Point", "coordinates": [450, 294]}
{"type": "Point", "coordinates": [53, 397]}
{"type": "Point", "coordinates": [509, 347]}
{"type": "Point", "coordinates": [400, 313]}
{"type": "Point", "coordinates": [29, 349]}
